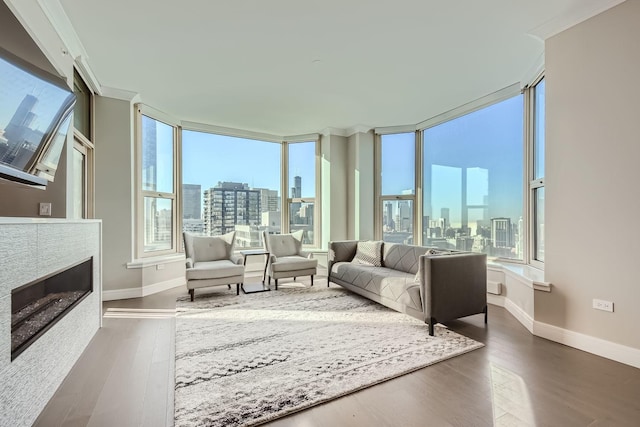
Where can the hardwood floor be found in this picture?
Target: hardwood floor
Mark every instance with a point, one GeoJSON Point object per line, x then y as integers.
{"type": "Point", "coordinates": [125, 378]}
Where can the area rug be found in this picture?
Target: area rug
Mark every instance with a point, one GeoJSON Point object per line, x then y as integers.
{"type": "Point", "coordinates": [245, 360]}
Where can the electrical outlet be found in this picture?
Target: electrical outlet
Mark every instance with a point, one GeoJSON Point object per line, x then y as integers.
{"type": "Point", "coordinates": [603, 305]}
{"type": "Point", "coordinates": [45, 209]}
{"type": "Point", "coordinates": [159, 266]}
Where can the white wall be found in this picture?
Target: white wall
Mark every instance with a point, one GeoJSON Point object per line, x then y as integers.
{"type": "Point", "coordinates": [592, 182]}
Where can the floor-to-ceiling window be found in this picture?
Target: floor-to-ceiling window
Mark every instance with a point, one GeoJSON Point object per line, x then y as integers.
{"type": "Point", "coordinates": [157, 150]}
{"type": "Point", "coordinates": [473, 181]}
{"type": "Point", "coordinates": [301, 198]}
{"type": "Point", "coordinates": [396, 153]}
{"type": "Point", "coordinates": [230, 184]}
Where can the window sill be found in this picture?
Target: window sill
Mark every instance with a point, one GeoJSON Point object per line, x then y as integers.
{"type": "Point", "coordinates": [156, 260]}
{"type": "Point", "coordinates": [531, 276]}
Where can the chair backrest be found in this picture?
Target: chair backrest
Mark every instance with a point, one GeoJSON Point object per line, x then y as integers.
{"type": "Point", "coordinates": [209, 248]}
{"type": "Point", "coordinates": [283, 244]}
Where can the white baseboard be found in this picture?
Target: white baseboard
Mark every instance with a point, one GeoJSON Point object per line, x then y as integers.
{"type": "Point", "coordinates": [519, 314]}
{"type": "Point", "coordinates": [610, 350]}
{"type": "Point", "coordinates": [154, 288]}
{"type": "Point", "coordinates": [496, 300]}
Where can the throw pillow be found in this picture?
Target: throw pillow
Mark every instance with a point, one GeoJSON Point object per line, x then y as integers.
{"type": "Point", "coordinates": [369, 253]}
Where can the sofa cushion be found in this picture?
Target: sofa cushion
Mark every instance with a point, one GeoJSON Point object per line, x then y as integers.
{"type": "Point", "coordinates": [403, 257]}
{"type": "Point", "coordinates": [214, 270]}
{"type": "Point", "coordinates": [214, 248]}
{"type": "Point", "coordinates": [369, 253]}
{"type": "Point", "coordinates": [391, 284]}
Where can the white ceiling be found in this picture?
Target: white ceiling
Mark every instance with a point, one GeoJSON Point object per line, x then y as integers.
{"type": "Point", "coordinates": [288, 67]}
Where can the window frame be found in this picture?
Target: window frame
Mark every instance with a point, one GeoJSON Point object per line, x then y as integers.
{"type": "Point", "coordinates": [533, 183]}
{"type": "Point", "coordinates": [380, 199]}
{"type": "Point", "coordinates": [476, 105]}
{"type": "Point", "coordinates": [83, 143]}
{"type": "Point", "coordinates": [174, 196]}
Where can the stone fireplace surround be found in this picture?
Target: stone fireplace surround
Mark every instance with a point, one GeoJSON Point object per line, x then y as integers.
{"type": "Point", "coordinates": [30, 249]}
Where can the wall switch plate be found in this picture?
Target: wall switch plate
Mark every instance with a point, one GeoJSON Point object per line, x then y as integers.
{"type": "Point", "coordinates": [603, 305]}
{"type": "Point", "coordinates": [45, 209]}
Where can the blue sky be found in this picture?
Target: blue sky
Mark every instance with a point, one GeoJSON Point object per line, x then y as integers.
{"type": "Point", "coordinates": [209, 158]}
{"type": "Point", "coordinates": [487, 144]}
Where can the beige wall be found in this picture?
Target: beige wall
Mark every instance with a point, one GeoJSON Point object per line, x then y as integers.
{"type": "Point", "coordinates": [20, 200]}
{"type": "Point", "coordinates": [360, 179]}
{"type": "Point", "coordinates": [114, 191]}
{"type": "Point", "coordinates": [592, 183]}
{"type": "Point", "coordinates": [334, 188]}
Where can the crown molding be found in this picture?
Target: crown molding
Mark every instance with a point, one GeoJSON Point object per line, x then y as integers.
{"type": "Point", "coordinates": [358, 129]}
{"type": "Point", "coordinates": [573, 16]}
{"type": "Point", "coordinates": [61, 23]}
{"type": "Point", "coordinates": [121, 94]}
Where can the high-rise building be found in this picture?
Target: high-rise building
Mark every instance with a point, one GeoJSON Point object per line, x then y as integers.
{"type": "Point", "coordinates": [191, 201]}
{"type": "Point", "coordinates": [388, 208]}
{"type": "Point", "coordinates": [444, 214]}
{"type": "Point", "coordinates": [229, 204]}
{"type": "Point", "coordinates": [269, 200]}
{"type": "Point", "coordinates": [296, 193]}
{"type": "Point", "coordinates": [501, 236]}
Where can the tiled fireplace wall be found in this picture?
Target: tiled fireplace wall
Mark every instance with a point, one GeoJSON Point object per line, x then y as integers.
{"type": "Point", "coordinates": [30, 249]}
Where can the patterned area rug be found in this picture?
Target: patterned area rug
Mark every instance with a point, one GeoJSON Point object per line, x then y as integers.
{"type": "Point", "coordinates": [248, 359]}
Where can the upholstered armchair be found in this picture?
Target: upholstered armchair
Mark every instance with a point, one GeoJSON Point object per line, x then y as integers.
{"type": "Point", "coordinates": [211, 262]}
{"type": "Point", "coordinates": [287, 259]}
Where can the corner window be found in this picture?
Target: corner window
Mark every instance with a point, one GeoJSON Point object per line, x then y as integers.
{"type": "Point", "coordinates": [473, 169]}
{"type": "Point", "coordinates": [230, 184]}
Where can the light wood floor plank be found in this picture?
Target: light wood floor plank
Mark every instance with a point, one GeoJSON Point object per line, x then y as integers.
{"type": "Point", "coordinates": [126, 377]}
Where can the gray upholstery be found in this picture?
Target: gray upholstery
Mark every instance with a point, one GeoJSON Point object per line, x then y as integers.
{"type": "Point", "coordinates": [432, 287]}
{"type": "Point", "coordinates": [287, 259]}
{"type": "Point", "coordinates": [211, 262]}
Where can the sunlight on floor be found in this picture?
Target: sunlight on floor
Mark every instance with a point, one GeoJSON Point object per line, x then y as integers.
{"type": "Point", "coordinates": [139, 313]}
{"type": "Point", "coordinates": [240, 315]}
{"type": "Point", "coordinates": [510, 398]}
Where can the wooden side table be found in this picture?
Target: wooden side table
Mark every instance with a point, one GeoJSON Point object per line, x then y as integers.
{"type": "Point", "coordinates": [251, 288]}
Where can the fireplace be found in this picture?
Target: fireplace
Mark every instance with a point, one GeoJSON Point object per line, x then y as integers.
{"type": "Point", "coordinates": [37, 306]}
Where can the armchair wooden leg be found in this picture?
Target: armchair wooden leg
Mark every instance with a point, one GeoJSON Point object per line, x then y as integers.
{"type": "Point", "coordinates": [312, 280]}
{"type": "Point", "coordinates": [229, 286]}
{"type": "Point", "coordinates": [237, 288]}
{"type": "Point", "coordinates": [192, 292]}
{"type": "Point", "coordinates": [486, 312]}
{"type": "Point", "coordinates": [276, 284]}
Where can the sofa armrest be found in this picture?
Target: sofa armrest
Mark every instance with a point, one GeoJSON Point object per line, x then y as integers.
{"type": "Point", "coordinates": [340, 251]}
{"type": "Point", "coordinates": [237, 259]}
{"type": "Point", "coordinates": [188, 262]}
{"type": "Point", "coordinates": [453, 286]}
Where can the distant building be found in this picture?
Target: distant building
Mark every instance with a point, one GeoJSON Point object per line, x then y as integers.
{"type": "Point", "coordinates": [191, 201]}
{"type": "Point", "coordinates": [230, 204]}
{"type": "Point", "coordinates": [269, 200]}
